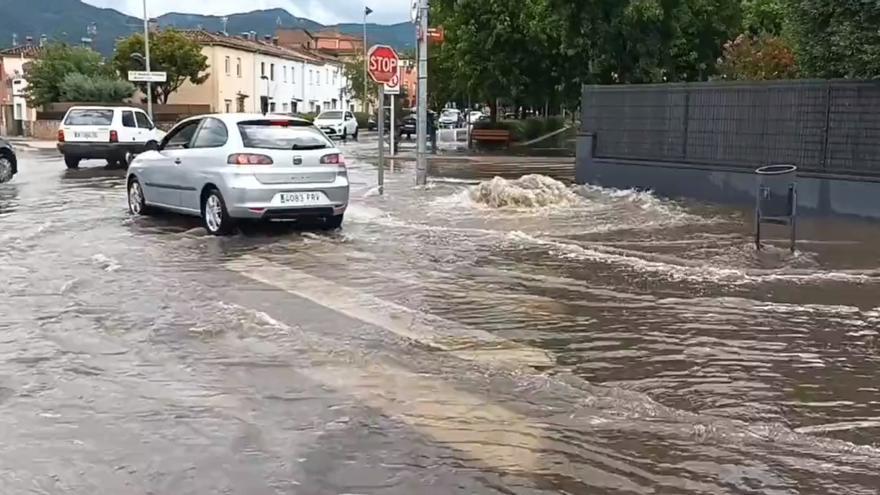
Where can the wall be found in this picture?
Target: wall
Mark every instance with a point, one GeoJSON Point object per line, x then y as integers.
{"type": "Point", "coordinates": [819, 194]}
{"type": "Point", "coordinates": [221, 86]}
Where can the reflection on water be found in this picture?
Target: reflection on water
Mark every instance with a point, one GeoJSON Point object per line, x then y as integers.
{"type": "Point", "coordinates": [682, 360]}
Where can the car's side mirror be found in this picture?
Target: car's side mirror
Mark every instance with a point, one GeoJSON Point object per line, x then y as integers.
{"type": "Point", "coordinates": [151, 146]}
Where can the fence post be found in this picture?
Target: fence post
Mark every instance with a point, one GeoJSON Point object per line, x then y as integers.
{"type": "Point", "coordinates": [686, 126]}
{"type": "Point", "coordinates": [827, 129]}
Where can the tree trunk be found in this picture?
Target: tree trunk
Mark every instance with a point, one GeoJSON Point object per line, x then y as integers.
{"type": "Point", "coordinates": [493, 110]}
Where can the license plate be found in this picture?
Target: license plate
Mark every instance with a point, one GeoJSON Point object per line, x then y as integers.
{"type": "Point", "coordinates": [301, 198]}
{"type": "Point", "coordinates": [85, 135]}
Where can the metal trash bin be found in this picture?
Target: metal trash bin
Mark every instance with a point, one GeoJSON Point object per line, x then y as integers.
{"type": "Point", "coordinates": [776, 199]}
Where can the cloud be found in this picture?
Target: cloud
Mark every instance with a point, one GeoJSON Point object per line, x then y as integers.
{"type": "Point", "coordinates": [323, 11]}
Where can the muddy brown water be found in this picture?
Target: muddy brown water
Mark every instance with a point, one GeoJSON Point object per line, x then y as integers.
{"type": "Point", "coordinates": [134, 358]}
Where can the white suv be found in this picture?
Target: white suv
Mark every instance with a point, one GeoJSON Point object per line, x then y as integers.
{"type": "Point", "coordinates": [115, 134]}
{"type": "Point", "coordinates": [338, 123]}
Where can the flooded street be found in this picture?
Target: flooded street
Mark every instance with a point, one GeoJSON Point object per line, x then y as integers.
{"type": "Point", "coordinates": [474, 336]}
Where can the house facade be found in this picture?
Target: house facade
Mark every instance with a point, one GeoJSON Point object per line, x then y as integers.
{"type": "Point", "coordinates": [244, 70]}
{"type": "Point", "coordinates": [16, 115]}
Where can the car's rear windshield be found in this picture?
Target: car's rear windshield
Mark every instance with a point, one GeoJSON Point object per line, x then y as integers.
{"type": "Point", "coordinates": [330, 116]}
{"type": "Point", "coordinates": [89, 117]}
{"type": "Point", "coordinates": [282, 135]}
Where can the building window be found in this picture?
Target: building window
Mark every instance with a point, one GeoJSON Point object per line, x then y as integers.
{"type": "Point", "coordinates": [284, 107]}
{"type": "Point", "coordinates": [240, 104]}
{"type": "Point", "coordinates": [284, 71]}
{"type": "Point", "coordinates": [334, 77]}
{"type": "Point", "coordinates": [228, 66]}
{"type": "Point", "coordinates": [228, 106]}
{"type": "Point", "coordinates": [18, 113]}
{"type": "Point", "coordinates": [292, 75]}
{"type": "Point", "coordinates": [263, 69]}
{"type": "Point", "coordinates": [238, 67]}
{"type": "Point", "coordinates": [318, 77]}
{"type": "Point", "coordinates": [272, 72]}
{"type": "Point", "coordinates": [293, 106]}
{"type": "Point", "coordinates": [272, 107]}
{"type": "Point", "coordinates": [311, 77]}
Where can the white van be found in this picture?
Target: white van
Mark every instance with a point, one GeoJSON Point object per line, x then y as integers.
{"type": "Point", "coordinates": [115, 134]}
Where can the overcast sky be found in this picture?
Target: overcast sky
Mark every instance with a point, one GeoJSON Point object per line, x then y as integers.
{"type": "Point", "coordinates": [323, 11]}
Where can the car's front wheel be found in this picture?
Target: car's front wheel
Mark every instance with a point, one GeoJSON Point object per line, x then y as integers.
{"type": "Point", "coordinates": [215, 215]}
{"type": "Point", "coordinates": [355, 135]}
{"type": "Point", "coordinates": [137, 204]}
{"type": "Point", "coordinates": [72, 162]}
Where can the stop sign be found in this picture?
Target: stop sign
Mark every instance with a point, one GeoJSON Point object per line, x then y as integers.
{"type": "Point", "coordinates": [383, 63]}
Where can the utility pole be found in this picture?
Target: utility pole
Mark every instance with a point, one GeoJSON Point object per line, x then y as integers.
{"type": "Point", "coordinates": [421, 161]}
{"type": "Point", "coordinates": [147, 61]}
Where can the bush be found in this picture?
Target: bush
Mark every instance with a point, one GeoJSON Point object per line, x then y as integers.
{"type": "Point", "coordinates": [94, 89]}
{"type": "Point", "coordinates": [309, 116]}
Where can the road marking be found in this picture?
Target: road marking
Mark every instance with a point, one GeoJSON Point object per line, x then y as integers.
{"type": "Point", "coordinates": [488, 433]}
{"type": "Point", "coordinates": [437, 333]}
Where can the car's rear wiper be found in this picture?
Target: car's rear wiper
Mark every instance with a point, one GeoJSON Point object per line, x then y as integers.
{"type": "Point", "coordinates": [309, 147]}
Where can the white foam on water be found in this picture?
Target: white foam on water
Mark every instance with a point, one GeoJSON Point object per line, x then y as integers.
{"type": "Point", "coordinates": [529, 191]}
{"type": "Point", "coordinates": [683, 270]}
{"type": "Point", "coordinates": [106, 263]}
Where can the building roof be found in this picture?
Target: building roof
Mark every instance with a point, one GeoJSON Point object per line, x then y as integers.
{"type": "Point", "coordinates": [26, 51]}
{"type": "Point", "coordinates": [335, 34]}
{"type": "Point", "coordinates": [256, 46]}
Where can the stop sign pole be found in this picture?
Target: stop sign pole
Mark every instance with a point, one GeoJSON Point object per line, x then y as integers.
{"type": "Point", "coordinates": [383, 66]}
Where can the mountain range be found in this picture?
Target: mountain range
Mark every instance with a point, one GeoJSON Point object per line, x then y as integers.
{"type": "Point", "coordinates": [69, 21]}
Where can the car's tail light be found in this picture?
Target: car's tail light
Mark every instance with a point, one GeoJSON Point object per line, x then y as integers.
{"type": "Point", "coordinates": [338, 160]}
{"type": "Point", "coordinates": [60, 135]}
{"type": "Point", "coordinates": [249, 159]}
{"type": "Point", "coordinates": [333, 159]}
{"type": "Point", "coordinates": [114, 137]}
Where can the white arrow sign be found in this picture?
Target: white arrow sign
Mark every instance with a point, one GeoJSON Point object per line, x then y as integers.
{"type": "Point", "coordinates": [144, 76]}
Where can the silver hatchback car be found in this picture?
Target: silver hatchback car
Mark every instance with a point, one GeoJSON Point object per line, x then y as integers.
{"type": "Point", "coordinates": [231, 167]}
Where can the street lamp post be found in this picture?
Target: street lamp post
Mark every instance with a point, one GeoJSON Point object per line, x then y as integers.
{"type": "Point", "coordinates": [367, 11]}
{"type": "Point", "coordinates": [147, 53]}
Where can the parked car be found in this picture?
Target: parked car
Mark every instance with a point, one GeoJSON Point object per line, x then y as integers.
{"type": "Point", "coordinates": [115, 134]}
{"type": "Point", "coordinates": [232, 167]}
{"type": "Point", "coordinates": [450, 118]}
{"type": "Point", "coordinates": [338, 123]}
{"type": "Point", "coordinates": [408, 126]}
{"type": "Point", "coordinates": [475, 116]}
{"type": "Point", "coordinates": [8, 161]}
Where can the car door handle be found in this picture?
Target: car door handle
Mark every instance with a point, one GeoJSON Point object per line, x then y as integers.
{"type": "Point", "coordinates": [177, 161]}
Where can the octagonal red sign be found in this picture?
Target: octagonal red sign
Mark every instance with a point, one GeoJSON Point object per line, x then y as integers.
{"type": "Point", "coordinates": [383, 63]}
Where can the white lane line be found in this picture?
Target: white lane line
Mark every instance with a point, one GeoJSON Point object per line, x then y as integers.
{"type": "Point", "coordinates": [432, 331]}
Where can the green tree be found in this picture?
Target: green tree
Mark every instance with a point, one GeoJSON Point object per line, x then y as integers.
{"type": "Point", "coordinates": [758, 58]}
{"type": "Point", "coordinates": [96, 88]}
{"type": "Point", "coordinates": [354, 73]}
{"type": "Point", "coordinates": [47, 74]}
{"type": "Point", "coordinates": [764, 16]}
{"type": "Point", "coordinates": [170, 51]}
{"type": "Point", "coordinates": [836, 38]}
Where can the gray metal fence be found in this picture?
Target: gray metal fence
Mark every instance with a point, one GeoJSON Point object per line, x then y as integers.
{"type": "Point", "coordinates": [829, 126]}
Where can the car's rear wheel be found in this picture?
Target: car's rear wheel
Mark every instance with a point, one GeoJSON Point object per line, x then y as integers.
{"type": "Point", "coordinates": [5, 168]}
{"type": "Point", "coordinates": [215, 215]}
{"type": "Point", "coordinates": [72, 161]}
{"type": "Point", "coordinates": [334, 222]}
{"type": "Point", "coordinates": [137, 204]}
{"type": "Point", "coordinates": [355, 135]}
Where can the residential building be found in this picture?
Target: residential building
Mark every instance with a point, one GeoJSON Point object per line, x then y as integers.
{"type": "Point", "coordinates": [250, 69]}
{"type": "Point", "coordinates": [16, 115]}
{"type": "Point", "coordinates": [409, 82]}
{"type": "Point", "coordinates": [329, 42]}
